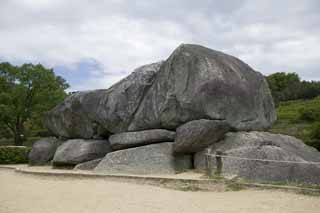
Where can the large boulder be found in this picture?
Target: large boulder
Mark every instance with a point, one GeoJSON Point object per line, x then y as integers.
{"type": "Point", "coordinates": [134, 139]}
{"type": "Point", "coordinates": [199, 83]}
{"type": "Point", "coordinates": [199, 134]}
{"type": "Point", "coordinates": [150, 159]}
{"type": "Point", "coordinates": [193, 83]}
{"type": "Point", "coordinates": [92, 114]}
{"type": "Point", "coordinates": [77, 151]}
{"type": "Point", "coordinates": [266, 146]}
{"type": "Point", "coordinates": [43, 150]}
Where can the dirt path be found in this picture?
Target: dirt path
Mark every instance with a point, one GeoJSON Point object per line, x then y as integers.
{"type": "Point", "coordinates": [29, 194]}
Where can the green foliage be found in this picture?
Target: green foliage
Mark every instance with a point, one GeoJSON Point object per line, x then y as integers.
{"type": "Point", "coordinates": [300, 119]}
{"type": "Point", "coordinates": [281, 85]}
{"type": "Point", "coordinates": [14, 154]}
{"type": "Point", "coordinates": [288, 86]}
{"type": "Point", "coordinates": [309, 114]}
{"type": "Point", "coordinates": [280, 81]}
{"type": "Point", "coordinates": [315, 131]}
{"type": "Point", "coordinates": [315, 135]}
{"type": "Point", "coordinates": [26, 93]}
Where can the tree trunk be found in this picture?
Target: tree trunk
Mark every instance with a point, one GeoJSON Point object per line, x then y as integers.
{"type": "Point", "coordinates": [19, 136]}
{"type": "Point", "coordinates": [18, 140]}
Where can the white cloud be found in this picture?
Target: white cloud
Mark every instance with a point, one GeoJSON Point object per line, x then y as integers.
{"type": "Point", "coordinates": [120, 35]}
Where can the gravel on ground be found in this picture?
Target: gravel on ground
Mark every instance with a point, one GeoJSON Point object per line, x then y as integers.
{"type": "Point", "coordinates": [20, 193]}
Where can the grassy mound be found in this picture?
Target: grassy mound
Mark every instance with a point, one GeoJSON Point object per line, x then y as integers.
{"type": "Point", "coordinates": [300, 119]}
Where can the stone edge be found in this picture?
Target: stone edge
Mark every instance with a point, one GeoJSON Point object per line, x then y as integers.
{"type": "Point", "coordinates": [200, 184]}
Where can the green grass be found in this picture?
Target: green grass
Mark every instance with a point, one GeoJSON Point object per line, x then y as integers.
{"type": "Point", "coordinates": [289, 110]}
{"type": "Point", "coordinates": [289, 121]}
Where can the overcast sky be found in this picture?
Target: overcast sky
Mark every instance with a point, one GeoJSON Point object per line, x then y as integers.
{"type": "Point", "coordinates": [95, 43]}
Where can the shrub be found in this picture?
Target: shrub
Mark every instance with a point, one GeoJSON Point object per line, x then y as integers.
{"type": "Point", "coordinates": [299, 119]}
{"type": "Point", "coordinates": [315, 136]}
{"type": "Point", "coordinates": [309, 114]}
{"type": "Point", "coordinates": [315, 131]}
{"type": "Point", "coordinates": [14, 154]}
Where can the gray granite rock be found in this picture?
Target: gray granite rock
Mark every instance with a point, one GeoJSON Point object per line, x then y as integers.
{"type": "Point", "coordinates": [69, 120]}
{"type": "Point", "coordinates": [43, 150]}
{"type": "Point", "coordinates": [92, 114]}
{"type": "Point", "coordinates": [76, 151]}
{"type": "Point", "coordinates": [199, 134]}
{"type": "Point", "coordinates": [263, 145]}
{"type": "Point", "coordinates": [150, 159]}
{"type": "Point", "coordinates": [193, 83]}
{"type": "Point", "coordinates": [133, 139]}
{"type": "Point", "coordinates": [89, 165]}
{"type": "Point", "coordinates": [199, 83]}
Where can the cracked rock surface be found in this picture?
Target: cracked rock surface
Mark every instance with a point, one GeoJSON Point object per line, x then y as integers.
{"type": "Point", "coordinates": [193, 83]}
{"type": "Point", "coordinates": [265, 146]}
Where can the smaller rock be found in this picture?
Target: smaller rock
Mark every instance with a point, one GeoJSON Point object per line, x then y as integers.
{"type": "Point", "coordinates": [43, 151]}
{"type": "Point", "coordinates": [89, 165]}
{"type": "Point", "coordinates": [265, 146]}
{"type": "Point", "coordinates": [134, 139]}
{"type": "Point", "coordinates": [144, 160]}
{"type": "Point", "coordinates": [78, 151]}
{"type": "Point", "coordinates": [198, 134]}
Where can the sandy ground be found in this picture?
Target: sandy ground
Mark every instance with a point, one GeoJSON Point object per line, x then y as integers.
{"type": "Point", "coordinates": [48, 169]}
{"type": "Point", "coordinates": [21, 193]}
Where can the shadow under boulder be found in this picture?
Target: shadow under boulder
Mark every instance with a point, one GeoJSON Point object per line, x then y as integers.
{"type": "Point", "coordinates": [89, 165]}
{"type": "Point", "coordinates": [133, 139]}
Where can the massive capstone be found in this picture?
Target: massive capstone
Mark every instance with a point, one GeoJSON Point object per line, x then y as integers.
{"type": "Point", "coordinates": [193, 83]}
{"type": "Point", "coordinates": [199, 83]}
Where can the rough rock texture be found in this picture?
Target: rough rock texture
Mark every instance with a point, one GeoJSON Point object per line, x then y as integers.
{"type": "Point", "coordinates": [262, 145]}
{"type": "Point", "coordinates": [43, 150]}
{"type": "Point", "coordinates": [193, 83]}
{"type": "Point", "coordinates": [89, 165]}
{"type": "Point", "coordinates": [78, 151]}
{"type": "Point", "coordinates": [69, 120]}
{"type": "Point", "coordinates": [150, 159]}
{"type": "Point", "coordinates": [134, 139]}
{"type": "Point", "coordinates": [199, 134]}
{"type": "Point", "coordinates": [200, 83]}
{"type": "Point", "coordinates": [97, 113]}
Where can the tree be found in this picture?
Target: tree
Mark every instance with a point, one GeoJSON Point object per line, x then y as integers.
{"type": "Point", "coordinates": [26, 93]}
{"type": "Point", "coordinates": [282, 84]}
{"type": "Point", "coordinates": [288, 86]}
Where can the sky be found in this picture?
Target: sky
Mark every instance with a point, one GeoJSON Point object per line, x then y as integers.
{"type": "Point", "coordinates": [95, 43]}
